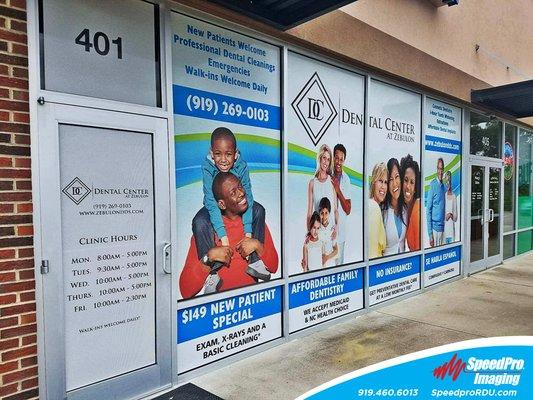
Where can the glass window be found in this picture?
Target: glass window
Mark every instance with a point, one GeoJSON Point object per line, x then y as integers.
{"type": "Point", "coordinates": [525, 172]}
{"type": "Point", "coordinates": [495, 179]}
{"type": "Point", "coordinates": [509, 158]}
{"type": "Point", "coordinates": [121, 60]}
{"type": "Point", "coordinates": [485, 136]}
{"type": "Point", "coordinates": [508, 246]}
{"type": "Point", "coordinates": [524, 241]}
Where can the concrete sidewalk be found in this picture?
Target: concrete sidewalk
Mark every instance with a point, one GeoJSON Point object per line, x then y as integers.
{"type": "Point", "coordinates": [497, 302]}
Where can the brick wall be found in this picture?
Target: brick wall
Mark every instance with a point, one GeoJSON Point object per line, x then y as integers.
{"type": "Point", "coordinates": [18, 339]}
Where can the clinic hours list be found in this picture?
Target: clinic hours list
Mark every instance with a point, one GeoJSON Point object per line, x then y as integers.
{"type": "Point", "coordinates": [108, 279]}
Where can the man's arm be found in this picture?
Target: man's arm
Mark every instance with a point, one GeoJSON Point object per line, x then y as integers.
{"type": "Point", "coordinates": [266, 251]}
{"type": "Point", "coordinates": [336, 215]}
{"type": "Point", "coordinates": [269, 255]}
{"type": "Point", "coordinates": [326, 257]}
{"type": "Point", "coordinates": [342, 190]}
{"type": "Point", "coordinates": [309, 205]}
{"type": "Point", "coordinates": [454, 208]}
{"type": "Point", "coordinates": [305, 267]}
{"type": "Point", "coordinates": [429, 211]}
{"type": "Point", "coordinates": [194, 273]}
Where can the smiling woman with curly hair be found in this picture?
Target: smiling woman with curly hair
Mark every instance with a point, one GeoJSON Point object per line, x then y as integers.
{"type": "Point", "coordinates": [410, 174]}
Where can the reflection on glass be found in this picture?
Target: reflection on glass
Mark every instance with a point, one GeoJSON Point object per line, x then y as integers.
{"type": "Point", "coordinates": [524, 241]}
{"type": "Point", "coordinates": [525, 188]}
{"type": "Point", "coordinates": [509, 160]}
{"type": "Point", "coordinates": [494, 212]}
{"type": "Point", "coordinates": [485, 136]}
{"type": "Point", "coordinates": [508, 246]}
{"type": "Point", "coordinates": [476, 213]}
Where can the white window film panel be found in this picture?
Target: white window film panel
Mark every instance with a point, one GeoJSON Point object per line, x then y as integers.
{"type": "Point", "coordinates": [325, 119]}
{"type": "Point", "coordinates": [107, 228]}
{"type": "Point", "coordinates": [222, 78]}
{"type": "Point", "coordinates": [393, 149]}
{"type": "Point", "coordinates": [105, 49]}
{"type": "Point", "coordinates": [443, 149]}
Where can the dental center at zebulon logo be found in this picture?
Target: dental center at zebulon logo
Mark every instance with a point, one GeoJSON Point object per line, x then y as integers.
{"type": "Point", "coordinates": [495, 372]}
{"type": "Point", "coordinates": [77, 191]}
{"type": "Point", "coordinates": [316, 111]}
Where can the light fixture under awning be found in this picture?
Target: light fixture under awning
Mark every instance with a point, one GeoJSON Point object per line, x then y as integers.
{"type": "Point", "coordinates": [515, 99]}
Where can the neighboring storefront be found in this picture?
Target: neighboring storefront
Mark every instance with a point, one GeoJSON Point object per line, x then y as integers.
{"type": "Point", "coordinates": [159, 133]}
{"type": "Point", "coordinates": [491, 141]}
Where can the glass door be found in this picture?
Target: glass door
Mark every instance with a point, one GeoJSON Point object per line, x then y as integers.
{"type": "Point", "coordinates": [494, 213]}
{"type": "Point", "coordinates": [477, 213]}
{"type": "Point", "coordinates": [485, 215]}
{"type": "Point", "coordinates": [105, 244]}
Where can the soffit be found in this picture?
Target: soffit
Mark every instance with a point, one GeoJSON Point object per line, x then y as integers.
{"type": "Point", "coordinates": [283, 14]}
{"type": "Point", "coordinates": [515, 99]}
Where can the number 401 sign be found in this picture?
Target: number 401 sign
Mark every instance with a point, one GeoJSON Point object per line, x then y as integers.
{"type": "Point", "coordinates": [100, 42]}
{"type": "Point", "coordinates": [102, 49]}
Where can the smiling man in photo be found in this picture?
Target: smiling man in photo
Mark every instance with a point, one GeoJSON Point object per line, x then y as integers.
{"type": "Point", "coordinates": [435, 207]}
{"type": "Point", "coordinates": [227, 265]}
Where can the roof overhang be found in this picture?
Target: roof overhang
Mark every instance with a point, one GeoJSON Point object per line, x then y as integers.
{"type": "Point", "coordinates": [515, 99]}
{"type": "Point", "coordinates": [286, 14]}
{"type": "Point", "coordinates": [283, 14]}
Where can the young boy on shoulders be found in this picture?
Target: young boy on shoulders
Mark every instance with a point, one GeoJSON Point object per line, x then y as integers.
{"type": "Point", "coordinates": [224, 156]}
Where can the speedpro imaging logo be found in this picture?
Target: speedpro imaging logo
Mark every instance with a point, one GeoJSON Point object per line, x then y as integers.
{"type": "Point", "coordinates": [452, 368]}
{"type": "Point", "coordinates": [476, 369]}
{"type": "Point", "coordinates": [314, 108]}
{"type": "Point", "coordinates": [486, 371]}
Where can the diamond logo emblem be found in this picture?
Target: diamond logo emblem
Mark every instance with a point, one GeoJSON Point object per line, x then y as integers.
{"type": "Point", "coordinates": [76, 190]}
{"type": "Point", "coordinates": [314, 108]}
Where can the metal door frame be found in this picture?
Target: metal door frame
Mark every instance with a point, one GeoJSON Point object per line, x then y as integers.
{"type": "Point", "coordinates": [140, 382]}
{"type": "Point", "coordinates": [486, 261]}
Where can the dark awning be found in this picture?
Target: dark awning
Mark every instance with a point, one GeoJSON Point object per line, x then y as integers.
{"type": "Point", "coordinates": [283, 14]}
{"type": "Point", "coordinates": [515, 99]}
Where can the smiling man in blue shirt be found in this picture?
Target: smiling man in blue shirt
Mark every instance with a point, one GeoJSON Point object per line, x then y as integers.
{"type": "Point", "coordinates": [435, 207]}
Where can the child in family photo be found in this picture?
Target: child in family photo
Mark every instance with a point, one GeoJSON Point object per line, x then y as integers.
{"type": "Point", "coordinates": [312, 250]}
{"type": "Point", "coordinates": [329, 245]}
{"type": "Point", "coordinates": [224, 156]}
{"type": "Point", "coordinates": [319, 249]}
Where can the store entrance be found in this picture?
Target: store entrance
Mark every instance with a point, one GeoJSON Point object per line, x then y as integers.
{"type": "Point", "coordinates": [485, 215]}
{"type": "Point", "coordinates": [105, 244]}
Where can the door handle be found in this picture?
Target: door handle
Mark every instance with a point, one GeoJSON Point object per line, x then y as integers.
{"type": "Point", "coordinates": [166, 255]}
{"type": "Point", "coordinates": [491, 215]}
{"type": "Point", "coordinates": [481, 215]}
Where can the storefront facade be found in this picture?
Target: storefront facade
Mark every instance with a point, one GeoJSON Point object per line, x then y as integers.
{"type": "Point", "coordinates": [347, 189]}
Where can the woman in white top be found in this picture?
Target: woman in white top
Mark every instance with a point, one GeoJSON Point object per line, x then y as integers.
{"type": "Point", "coordinates": [321, 186]}
{"type": "Point", "coordinates": [394, 211]}
{"type": "Point", "coordinates": [450, 210]}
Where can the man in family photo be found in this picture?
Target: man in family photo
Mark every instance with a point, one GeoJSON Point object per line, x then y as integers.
{"type": "Point", "coordinates": [436, 207]}
{"type": "Point", "coordinates": [341, 184]}
{"type": "Point", "coordinates": [227, 265]}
